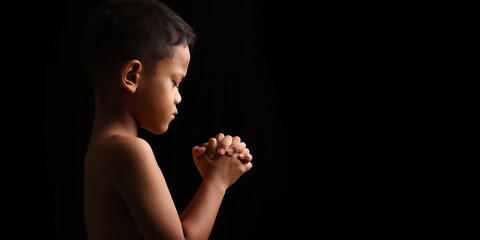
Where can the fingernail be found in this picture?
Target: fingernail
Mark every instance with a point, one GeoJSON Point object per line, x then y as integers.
{"type": "Point", "coordinates": [230, 151]}
{"type": "Point", "coordinates": [242, 156]}
{"type": "Point", "coordinates": [221, 151]}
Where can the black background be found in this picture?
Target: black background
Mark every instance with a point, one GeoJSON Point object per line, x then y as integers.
{"type": "Point", "coordinates": [302, 84]}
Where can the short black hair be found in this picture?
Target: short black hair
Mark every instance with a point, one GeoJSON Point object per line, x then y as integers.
{"type": "Point", "coordinates": [122, 30]}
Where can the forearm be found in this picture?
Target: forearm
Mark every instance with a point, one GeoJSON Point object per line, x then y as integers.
{"type": "Point", "coordinates": [199, 216]}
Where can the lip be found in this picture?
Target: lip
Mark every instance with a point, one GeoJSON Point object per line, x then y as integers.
{"type": "Point", "coordinates": [173, 115]}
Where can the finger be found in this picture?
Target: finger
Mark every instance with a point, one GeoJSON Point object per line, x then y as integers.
{"type": "Point", "coordinates": [238, 147]}
{"type": "Point", "coordinates": [205, 145]}
{"type": "Point", "coordinates": [245, 156]}
{"type": "Point", "coordinates": [247, 167]}
{"type": "Point", "coordinates": [219, 137]}
{"type": "Point", "coordinates": [224, 144]}
{"type": "Point", "coordinates": [194, 150]}
{"type": "Point", "coordinates": [245, 151]}
{"type": "Point", "coordinates": [212, 147]}
{"type": "Point", "coordinates": [236, 140]}
{"type": "Point", "coordinates": [198, 151]}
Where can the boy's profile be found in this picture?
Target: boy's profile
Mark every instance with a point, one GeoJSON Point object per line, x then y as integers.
{"type": "Point", "coordinates": [137, 53]}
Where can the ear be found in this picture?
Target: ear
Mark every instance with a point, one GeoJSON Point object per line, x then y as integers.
{"type": "Point", "coordinates": [130, 75]}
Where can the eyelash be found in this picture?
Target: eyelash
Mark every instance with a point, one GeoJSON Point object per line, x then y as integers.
{"type": "Point", "coordinates": [175, 84]}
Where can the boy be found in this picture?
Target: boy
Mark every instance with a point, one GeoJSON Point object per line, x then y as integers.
{"type": "Point", "coordinates": [137, 53]}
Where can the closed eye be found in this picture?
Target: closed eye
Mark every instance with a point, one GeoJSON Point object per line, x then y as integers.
{"type": "Point", "coordinates": [175, 84]}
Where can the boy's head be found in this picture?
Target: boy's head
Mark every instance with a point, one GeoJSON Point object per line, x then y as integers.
{"type": "Point", "coordinates": [142, 49]}
{"type": "Point", "coordinates": [122, 30]}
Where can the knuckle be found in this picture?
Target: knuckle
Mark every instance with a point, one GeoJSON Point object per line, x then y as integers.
{"type": "Point", "coordinates": [240, 146]}
{"type": "Point", "coordinates": [212, 142]}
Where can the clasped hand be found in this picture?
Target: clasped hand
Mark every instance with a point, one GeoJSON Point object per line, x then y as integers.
{"type": "Point", "coordinates": [222, 160]}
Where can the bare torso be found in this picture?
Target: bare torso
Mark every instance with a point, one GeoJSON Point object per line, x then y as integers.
{"type": "Point", "coordinates": [107, 215]}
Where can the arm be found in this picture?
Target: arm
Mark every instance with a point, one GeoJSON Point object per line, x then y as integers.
{"type": "Point", "coordinates": [142, 185]}
{"type": "Point", "coordinates": [199, 216]}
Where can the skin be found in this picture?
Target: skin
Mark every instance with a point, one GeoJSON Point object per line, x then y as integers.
{"type": "Point", "coordinates": [126, 195]}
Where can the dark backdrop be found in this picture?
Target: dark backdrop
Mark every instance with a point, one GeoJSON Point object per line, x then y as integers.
{"type": "Point", "coordinates": [236, 84]}
{"type": "Point", "coordinates": [307, 87]}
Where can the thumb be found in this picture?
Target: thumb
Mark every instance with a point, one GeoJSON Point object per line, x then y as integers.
{"type": "Point", "coordinates": [198, 151]}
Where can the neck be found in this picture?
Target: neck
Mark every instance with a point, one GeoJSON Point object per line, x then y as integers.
{"type": "Point", "coordinates": [110, 119]}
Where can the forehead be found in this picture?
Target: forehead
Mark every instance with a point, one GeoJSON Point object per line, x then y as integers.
{"type": "Point", "coordinates": [178, 63]}
{"type": "Point", "coordinates": [181, 54]}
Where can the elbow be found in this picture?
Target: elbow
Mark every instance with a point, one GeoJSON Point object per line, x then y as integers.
{"type": "Point", "coordinates": [188, 235]}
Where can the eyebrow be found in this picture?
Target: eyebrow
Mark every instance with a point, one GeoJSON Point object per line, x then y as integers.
{"type": "Point", "coordinates": [182, 77]}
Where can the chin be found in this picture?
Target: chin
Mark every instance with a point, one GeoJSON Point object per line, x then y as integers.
{"type": "Point", "coordinates": [158, 130]}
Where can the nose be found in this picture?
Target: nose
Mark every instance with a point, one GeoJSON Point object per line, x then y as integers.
{"type": "Point", "coordinates": [178, 97]}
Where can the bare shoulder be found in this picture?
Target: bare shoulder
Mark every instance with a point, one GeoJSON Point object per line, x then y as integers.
{"type": "Point", "coordinates": [121, 162]}
{"type": "Point", "coordinates": [127, 151]}
{"type": "Point", "coordinates": [127, 146]}
{"type": "Point", "coordinates": [120, 152]}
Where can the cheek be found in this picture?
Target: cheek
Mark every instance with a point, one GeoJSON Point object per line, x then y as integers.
{"type": "Point", "coordinates": [164, 98]}
{"type": "Point", "coordinates": [154, 102]}
{"type": "Point", "coordinates": [156, 111]}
